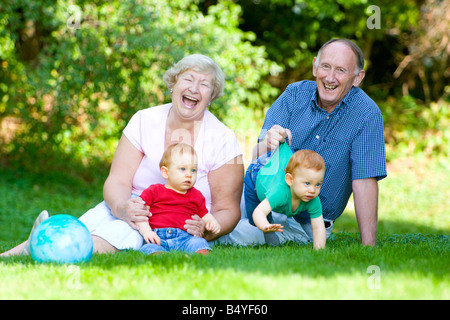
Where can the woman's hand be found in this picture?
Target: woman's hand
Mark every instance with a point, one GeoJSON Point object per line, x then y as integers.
{"type": "Point", "coordinates": [133, 210]}
{"type": "Point", "coordinates": [195, 226]}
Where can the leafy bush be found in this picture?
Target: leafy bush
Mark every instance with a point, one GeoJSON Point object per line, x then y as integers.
{"type": "Point", "coordinates": [72, 95]}
{"type": "Point", "coordinates": [71, 76]}
{"type": "Point", "coordinates": [412, 128]}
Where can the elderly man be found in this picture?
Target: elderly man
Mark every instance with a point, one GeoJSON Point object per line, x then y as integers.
{"type": "Point", "coordinates": [335, 118]}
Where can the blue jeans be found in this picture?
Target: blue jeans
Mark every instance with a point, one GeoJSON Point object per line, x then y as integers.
{"type": "Point", "coordinates": [250, 195]}
{"type": "Point", "coordinates": [175, 239]}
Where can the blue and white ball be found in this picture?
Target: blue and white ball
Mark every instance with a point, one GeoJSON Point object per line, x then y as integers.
{"type": "Point", "coordinates": [63, 239]}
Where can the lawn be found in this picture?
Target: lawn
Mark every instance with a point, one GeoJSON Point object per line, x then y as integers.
{"type": "Point", "coordinates": [410, 261]}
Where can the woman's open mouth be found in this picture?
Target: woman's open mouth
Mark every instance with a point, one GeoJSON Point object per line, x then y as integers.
{"type": "Point", "coordinates": [189, 101]}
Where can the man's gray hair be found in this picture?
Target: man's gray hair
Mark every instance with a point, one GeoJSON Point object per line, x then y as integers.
{"type": "Point", "coordinates": [356, 50]}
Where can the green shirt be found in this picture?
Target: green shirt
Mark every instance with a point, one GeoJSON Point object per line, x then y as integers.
{"type": "Point", "coordinates": [270, 184]}
{"type": "Point", "coordinates": [280, 199]}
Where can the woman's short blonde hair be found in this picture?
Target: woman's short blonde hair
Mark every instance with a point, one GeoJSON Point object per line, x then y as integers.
{"type": "Point", "coordinates": [201, 64]}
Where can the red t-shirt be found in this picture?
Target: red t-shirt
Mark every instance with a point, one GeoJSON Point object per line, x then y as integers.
{"type": "Point", "coordinates": [171, 209]}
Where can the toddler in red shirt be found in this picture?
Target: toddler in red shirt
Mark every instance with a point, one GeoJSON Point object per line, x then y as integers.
{"type": "Point", "coordinates": [172, 204]}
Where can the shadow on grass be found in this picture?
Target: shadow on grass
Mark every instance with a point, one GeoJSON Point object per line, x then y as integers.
{"type": "Point", "coordinates": [347, 223]}
{"type": "Point", "coordinates": [424, 255]}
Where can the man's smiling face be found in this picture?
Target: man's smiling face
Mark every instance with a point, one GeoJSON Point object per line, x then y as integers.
{"type": "Point", "coordinates": [335, 74]}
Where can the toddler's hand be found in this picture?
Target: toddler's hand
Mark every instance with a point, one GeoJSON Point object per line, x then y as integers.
{"type": "Point", "coordinates": [272, 228]}
{"type": "Point", "coordinates": [213, 227]}
{"type": "Point", "coordinates": [152, 237]}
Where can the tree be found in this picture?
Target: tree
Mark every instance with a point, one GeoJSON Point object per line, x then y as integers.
{"type": "Point", "coordinates": [427, 57]}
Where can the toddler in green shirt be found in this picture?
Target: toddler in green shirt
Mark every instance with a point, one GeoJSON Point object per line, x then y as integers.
{"type": "Point", "coordinates": [289, 189]}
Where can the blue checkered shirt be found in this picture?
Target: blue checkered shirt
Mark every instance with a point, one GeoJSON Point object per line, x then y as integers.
{"type": "Point", "coordinates": [350, 139]}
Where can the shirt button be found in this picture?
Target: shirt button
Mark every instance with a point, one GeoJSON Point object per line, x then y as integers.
{"type": "Point", "coordinates": [328, 117]}
{"type": "Point", "coordinates": [317, 137]}
{"type": "Point", "coordinates": [170, 231]}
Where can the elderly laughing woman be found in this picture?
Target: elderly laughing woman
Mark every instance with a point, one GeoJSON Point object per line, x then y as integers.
{"type": "Point", "coordinates": [194, 83]}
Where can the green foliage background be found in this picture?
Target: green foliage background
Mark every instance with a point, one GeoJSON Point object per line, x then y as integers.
{"type": "Point", "coordinates": [68, 89]}
{"type": "Point", "coordinates": [73, 73]}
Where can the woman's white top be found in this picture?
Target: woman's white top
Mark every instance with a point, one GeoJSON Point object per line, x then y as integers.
{"type": "Point", "coordinates": [216, 145]}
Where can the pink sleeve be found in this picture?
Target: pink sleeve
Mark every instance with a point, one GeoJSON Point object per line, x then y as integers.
{"type": "Point", "coordinates": [228, 150]}
{"type": "Point", "coordinates": [133, 131]}
{"type": "Point", "coordinates": [219, 143]}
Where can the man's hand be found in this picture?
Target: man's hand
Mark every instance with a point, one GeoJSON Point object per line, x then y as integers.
{"type": "Point", "coordinates": [277, 135]}
{"type": "Point", "coordinates": [272, 140]}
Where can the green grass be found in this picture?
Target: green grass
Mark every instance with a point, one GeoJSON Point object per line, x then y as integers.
{"type": "Point", "coordinates": [411, 266]}
{"type": "Point", "coordinates": [412, 254]}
